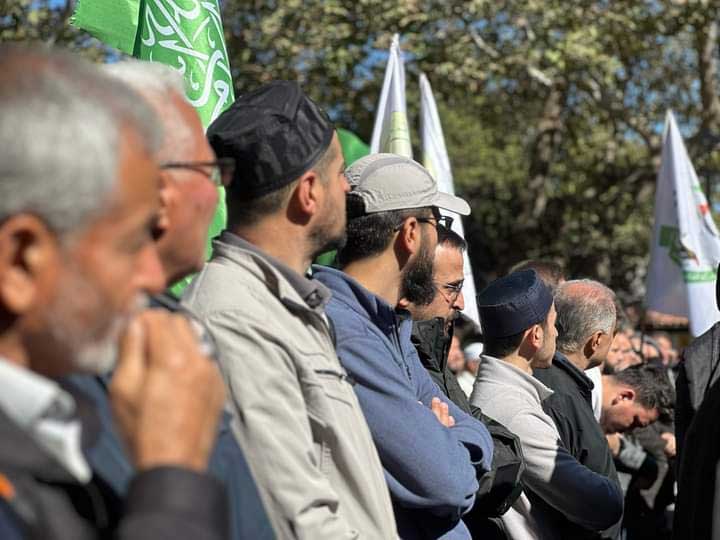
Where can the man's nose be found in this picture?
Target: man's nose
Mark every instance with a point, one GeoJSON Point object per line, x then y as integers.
{"type": "Point", "coordinates": [459, 303]}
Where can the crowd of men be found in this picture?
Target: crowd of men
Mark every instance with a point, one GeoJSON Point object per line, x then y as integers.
{"type": "Point", "coordinates": [278, 399]}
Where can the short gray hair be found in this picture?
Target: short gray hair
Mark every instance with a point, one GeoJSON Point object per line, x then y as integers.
{"type": "Point", "coordinates": [60, 128]}
{"type": "Point", "coordinates": [583, 307]}
{"type": "Point", "coordinates": [157, 83]}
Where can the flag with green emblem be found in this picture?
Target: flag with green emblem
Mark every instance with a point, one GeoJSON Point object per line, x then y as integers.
{"type": "Point", "coordinates": [184, 34]}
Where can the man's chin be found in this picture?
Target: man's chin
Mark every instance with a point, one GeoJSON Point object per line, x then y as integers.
{"type": "Point", "coordinates": [97, 359]}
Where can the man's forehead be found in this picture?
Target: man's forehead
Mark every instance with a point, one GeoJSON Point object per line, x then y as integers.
{"type": "Point", "coordinates": [448, 258]}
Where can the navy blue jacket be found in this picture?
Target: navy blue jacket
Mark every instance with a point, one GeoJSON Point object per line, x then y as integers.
{"type": "Point", "coordinates": [109, 461]}
{"type": "Point", "coordinates": [431, 470]}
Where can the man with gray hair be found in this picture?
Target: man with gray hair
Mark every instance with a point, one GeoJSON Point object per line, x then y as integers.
{"type": "Point", "coordinates": [189, 177]}
{"type": "Point", "coordinates": [78, 211]}
{"type": "Point", "coordinates": [586, 324]}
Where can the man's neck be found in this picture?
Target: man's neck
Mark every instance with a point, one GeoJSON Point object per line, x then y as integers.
{"type": "Point", "coordinates": [519, 362]}
{"type": "Point", "coordinates": [12, 350]}
{"type": "Point", "coordinates": [284, 242]}
{"type": "Point", "coordinates": [578, 359]}
{"type": "Point", "coordinates": [380, 275]}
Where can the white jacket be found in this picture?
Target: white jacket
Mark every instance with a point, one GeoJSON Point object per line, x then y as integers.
{"type": "Point", "coordinates": [552, 476]}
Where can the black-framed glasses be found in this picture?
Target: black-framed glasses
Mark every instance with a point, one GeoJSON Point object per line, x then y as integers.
{"type": "Point", "coordinates": [444, 221]}
{"type": "Point", "coordinates": [450, 291]}
{"type": "Point", "coordinates": [219, 172]}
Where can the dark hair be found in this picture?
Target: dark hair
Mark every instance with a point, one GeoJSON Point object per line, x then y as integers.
{"type": "Point", "coordinates": [370, 234]}
{"type": "Point", "coordinates": [448, 237]}
{"type": "Point", "coordinates": [550, 272]}
{"type": "Point", "coordinates": [651, 384]}
{"type": "Point", "coordinates": [501, 347]}
{"type": "Point", "coordinates": [243, 211]}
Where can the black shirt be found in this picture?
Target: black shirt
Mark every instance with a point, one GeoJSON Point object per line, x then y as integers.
{"type": "Point", "coordinates": [570, 407]}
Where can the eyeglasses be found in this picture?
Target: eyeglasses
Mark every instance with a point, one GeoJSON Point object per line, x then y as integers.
{"type": "Point", "coordinates": [444, 221]}
{"type": "Point", "coordinates": [219, 172]}
{"type": "Point", "coordinates": [450, 291]}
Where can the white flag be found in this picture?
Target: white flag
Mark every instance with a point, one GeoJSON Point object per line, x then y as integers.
{"type": "Point", "coordinates": [436, 160]}
{"type": "Point", "coordinates": [685, 248]}
{"type": "Point", "coordinates": [391, 132]}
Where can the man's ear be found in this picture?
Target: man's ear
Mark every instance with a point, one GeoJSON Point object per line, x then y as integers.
{"type": "Point", "coordinates": [27, 251]}
{"type": "Point", "coordinates": [593, 344]}
{"type": "Point", "coordinates": [537, 336]}
{"type": "Point", "coordinates": [624, 393]}
{"type": "Point", "coordinates": [532, 341]}
{"type": "Point", "coordinates": [308, 193]}
{"type": "Point", "coordinates": [410, 236]}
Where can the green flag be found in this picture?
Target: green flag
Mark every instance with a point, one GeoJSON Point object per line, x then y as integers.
{"type": "Point", "coordinates": [184, 34]}
{"type": "Point", "coordinates": [353, 147]}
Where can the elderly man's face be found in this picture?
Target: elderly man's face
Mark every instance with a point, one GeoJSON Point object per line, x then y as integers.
{"type": "Point", "coordinates": [189, 194]}
{"type": "Point", "coordinates": [96, 279]}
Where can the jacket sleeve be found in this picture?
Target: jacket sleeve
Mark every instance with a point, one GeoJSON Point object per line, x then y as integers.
{"type": "Point", "coordinates": [272, 424]}
{"type": "Point", "coordinates": [171, 502]}
{"type": "Point", "coordinates": [588, 499]}
{"type": "Point", "coordinates": [467, 429]}
{"type": "Point", "coordinates": [426, 465]}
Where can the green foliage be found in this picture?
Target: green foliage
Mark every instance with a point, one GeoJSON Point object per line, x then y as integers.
{"type": "Point", "coordinates": [46, 21]}
{"type": "Point", "coordinates": [552, 110]}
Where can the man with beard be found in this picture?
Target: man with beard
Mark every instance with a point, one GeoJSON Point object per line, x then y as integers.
{"type": "Point", "coordinates": [430, 449]}
{"type": "Point", "coordinates": [433, 323]}
{"type": "Point", "coordinates": [518, 315]}
{"type": "Point", "coordinates": [78, 212]}
{"type": "Point", "coordinates": [433, 338]}
{"type": "Point", "coordinates": [294, 410]}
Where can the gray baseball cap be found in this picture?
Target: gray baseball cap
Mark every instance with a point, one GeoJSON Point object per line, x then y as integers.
{"type": "Point", "coordinates": [390, 182]}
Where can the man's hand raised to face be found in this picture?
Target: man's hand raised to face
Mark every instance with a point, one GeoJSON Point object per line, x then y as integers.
{"type": "Point", "coordinates": [166, 395]}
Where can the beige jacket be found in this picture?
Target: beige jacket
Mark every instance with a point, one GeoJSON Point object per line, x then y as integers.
{"type": "Point", "coordinates": [295, 413]}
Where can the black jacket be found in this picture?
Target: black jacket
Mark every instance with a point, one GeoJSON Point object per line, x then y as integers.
{"type": "Point", "coordinates": [40, 500]}
{"type": "Point", "coordinates": [500, 486]}
{"type": "Point", "coordinates": [570, 407]}
{"type": "Point", "coordinates": [698, 408]}
{"type": "Point", "coordinates": [433, 344]}
{"type": "Point", "coordinates": [698, 370]}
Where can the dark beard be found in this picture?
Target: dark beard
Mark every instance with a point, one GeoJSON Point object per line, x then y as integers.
{"type": "Point", "coordinates": [323, 243]}
{"type": "Point", "coordinates": [417, 278]}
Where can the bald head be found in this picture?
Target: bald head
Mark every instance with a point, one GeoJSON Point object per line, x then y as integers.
{"type": "Point", "coordinates": [584, 308]}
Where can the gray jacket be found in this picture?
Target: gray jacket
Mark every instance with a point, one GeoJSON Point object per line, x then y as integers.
{"type": "Point", "coordinates": [295, 412]}
{"type": "Point", "coordinates": [552, 476]}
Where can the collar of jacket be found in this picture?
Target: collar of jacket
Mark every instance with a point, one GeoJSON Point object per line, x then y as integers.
{"type": "Point", "coordinates": [432, 343]}
{"type": "Point", "coordinates": [19, 450]}
{"type": "Point", "coordinates": [314, 294]}
{"type": "Point", "coordinates": [584, 384]}
{"type": "Point", "coordinates": [494, 369]}
{"type": "Point", "coordinates": [360, 300]}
